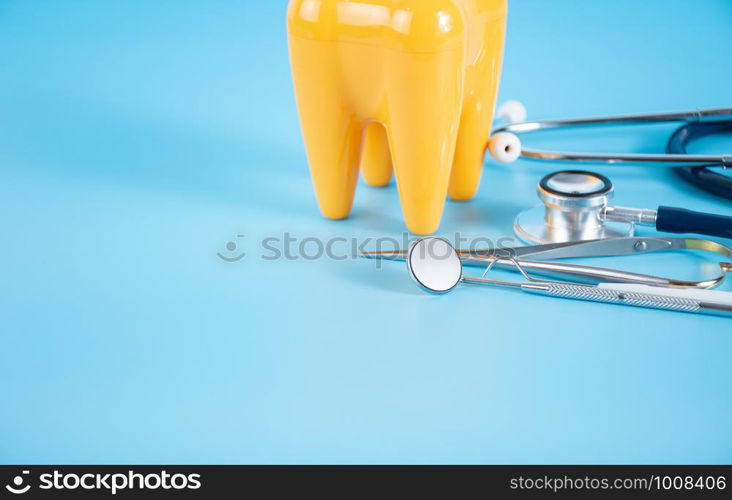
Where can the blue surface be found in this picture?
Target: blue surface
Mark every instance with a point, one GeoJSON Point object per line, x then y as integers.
{"type": "Point", "coordinates": [138, 138]}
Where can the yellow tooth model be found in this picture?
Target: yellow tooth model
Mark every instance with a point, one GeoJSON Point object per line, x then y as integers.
{"type": "Point", "coordinates": [408, 83]}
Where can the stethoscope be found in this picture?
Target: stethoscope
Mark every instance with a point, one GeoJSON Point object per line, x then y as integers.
{"type": "Point", "coordinates": [576, 207]}
{"type": "Point", "coordinates": [505, 145]}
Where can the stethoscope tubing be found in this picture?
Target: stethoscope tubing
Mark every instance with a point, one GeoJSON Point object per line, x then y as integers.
{"type": "Point", "coordinates": [700, 176]}
{"type": "Point", "coordinates": [666, 160]}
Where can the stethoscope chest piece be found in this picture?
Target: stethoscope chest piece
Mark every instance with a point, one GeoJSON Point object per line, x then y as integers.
{"type": "Point", "coordinates": [573, 209]}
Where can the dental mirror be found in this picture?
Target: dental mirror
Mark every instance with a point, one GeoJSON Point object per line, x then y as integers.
{"type": "Point", "coordinates": [434, 265]}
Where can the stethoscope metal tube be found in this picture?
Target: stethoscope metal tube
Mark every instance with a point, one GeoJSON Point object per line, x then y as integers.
{"type": "Point", "coordinates": [506, 147]}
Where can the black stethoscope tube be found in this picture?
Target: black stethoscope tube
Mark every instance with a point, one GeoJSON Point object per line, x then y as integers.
{"type": "Point", "coordinates": [681, 221]}
{"type": "Point", "coordinates": [701, 176]}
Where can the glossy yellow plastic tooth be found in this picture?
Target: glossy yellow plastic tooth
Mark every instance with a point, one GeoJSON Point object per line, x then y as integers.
{"type": "Point", "coordinates": [402, 85]}
{"type": "Point", "coordinates": [376, 164]}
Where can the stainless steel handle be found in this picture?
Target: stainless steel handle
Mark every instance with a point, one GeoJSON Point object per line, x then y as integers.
{"type": "Point", "coordinates": [571, 272]}
{"type": "Point", "coordinates": [609, 296]}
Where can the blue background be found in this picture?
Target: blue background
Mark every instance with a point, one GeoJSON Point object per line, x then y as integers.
{"type": "Point", "coordinates": [138, 138]}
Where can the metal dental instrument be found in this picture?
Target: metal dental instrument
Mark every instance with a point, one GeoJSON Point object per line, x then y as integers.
{"type": "Point", "coordinates": [436, 267]}
{"type": "Point", "coordinates": [576, 206]}
{"type": "Point", "coordinates": [533, 259]}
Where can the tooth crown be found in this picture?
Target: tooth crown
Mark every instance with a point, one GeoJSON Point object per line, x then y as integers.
{"type": "Point", "coordinates": [402, 85]}
{"type": "Point", "coordinates": [423, 26]}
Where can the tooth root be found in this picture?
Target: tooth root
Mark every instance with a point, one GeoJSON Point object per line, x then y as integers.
{"type": "Point", "coordinates": [481, 90]}
{"type": "Point", "coordinates": [330, 129]}
{"type": "Point", "coordinates": [469, 154]}
{"type": "Point", "coordinates": [422, 133]}
{"type": "Point", "coordinates": [376, 164]}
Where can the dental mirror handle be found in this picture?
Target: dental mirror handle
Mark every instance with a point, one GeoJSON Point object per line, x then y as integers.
{"type": "Point", "coordinates": [679, 220]}
{"type": "Point", "coordinates": [708, 296]}
{"type": "Point", "coordinates": [628, 298]}
{"type": "Point", "coordinates": [607, 295]}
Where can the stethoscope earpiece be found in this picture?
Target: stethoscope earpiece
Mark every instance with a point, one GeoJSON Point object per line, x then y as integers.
{"type": "Point", "coordinates": [512, 112]}
{"type": "Point", "coordinates": [506, 147]}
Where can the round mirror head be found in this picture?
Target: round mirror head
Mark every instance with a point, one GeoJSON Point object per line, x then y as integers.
{"type": "Point", "coordinates": [434, 265]}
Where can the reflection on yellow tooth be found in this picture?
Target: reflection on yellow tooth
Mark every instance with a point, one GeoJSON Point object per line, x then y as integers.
{"type": "Point", "coordinates": [408, 82]}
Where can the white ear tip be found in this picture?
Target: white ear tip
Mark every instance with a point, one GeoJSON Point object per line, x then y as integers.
{"type": "Point", "coordinates": [505, 147]}
{"type": "Point", "coordinates": [512, 112]}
